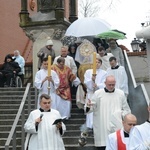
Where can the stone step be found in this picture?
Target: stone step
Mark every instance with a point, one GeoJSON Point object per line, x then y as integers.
{"type": "Point", "coordinates": [9, 104]}
{"type": "Point", "coordinates": [13, 100]}
{"type": "Point", "coordinates": [14, 106]}
{"type": "Point", "coordinates": [13, 110]}
{"type": "Point", "coordinates": [67, 147]}
{"type": "Point", "coordinates": [14, 93]}
{"type": "Point", "coordinates": [73, 126]}
{"type": "Point", "coordinates": [3, 141]}
{"type": "Point", "coordinates": [75, 109]}
{"type": "Point", "coordinates": [77, 147]}
{"type": "Point", "coordinates": [12, 89]}
{"type": "Point", "coordinates": [8, 128]}
{"type": "Point", "coordinates": [74, 140]}
{"type": "Point", "coordinates": [75, 121]}
{"type": "Point", "coordinates": [18, 147]}
{"type": "Point", "coordinates": [13, 97]}
{"type": "Point", "coordinates": [68, 133]}
{"type": "Point", "coordinates": [5, 134]}
{"type": "Point", "coordinates": [8, 121]}
{"type": "Point", "coordinates": [72, 133]}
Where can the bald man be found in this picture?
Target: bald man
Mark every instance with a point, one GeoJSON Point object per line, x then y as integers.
{"type": "Point", "coordinates": [108, 105]}
{"type": "Point", "coordinates": [119, 140]}
{"type": "Point", "coordinates": [140, 135]}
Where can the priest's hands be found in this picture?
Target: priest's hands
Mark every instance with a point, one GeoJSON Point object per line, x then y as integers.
{"type": "Point", "coordinates": [59, 125]}
{"type": "Point", "coordinates": [38, 120]}
{"type": "Point", "coordinates": [89, 104]}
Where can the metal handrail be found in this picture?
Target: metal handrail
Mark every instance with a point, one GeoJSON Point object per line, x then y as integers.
{"type": "Point", "coordinates": [130, 69]}
{"type": "Point", "coordinates": [12, 133]}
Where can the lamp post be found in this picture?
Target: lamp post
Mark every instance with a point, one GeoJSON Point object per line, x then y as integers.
{"type": "Point", "coordinates": [135, 45]}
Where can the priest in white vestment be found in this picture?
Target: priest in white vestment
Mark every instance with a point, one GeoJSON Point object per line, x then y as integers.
{"type": "Point", "coordinates": [44, 134]}
{"type": "Point", "coordinates": [93, 83]}
{"type": "Point", "coordinates": [69, 61]}
{"type": "Point", "coordinates": [42, 80]}
{"type": "Point", "coordinates": [120, 75]}
{"type": "Point", "coordinates": [108, 106]}
{"type": "Point", "coordinates": [140, 136]}
{"type": "Point", "coordinates": [119, 140]}
{"type": "Point", "coordinates": [66, 77]}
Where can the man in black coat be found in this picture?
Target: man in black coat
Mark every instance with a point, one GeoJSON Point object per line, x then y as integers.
{"type": "Point", "coordinates": [8, 70]}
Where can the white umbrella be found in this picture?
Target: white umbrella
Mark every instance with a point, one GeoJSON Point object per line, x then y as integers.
{"type": "Point", "coordinates": [87, 27]}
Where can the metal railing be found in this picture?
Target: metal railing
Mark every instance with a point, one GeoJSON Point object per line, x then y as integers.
{"type": "Point", "coordinates": [138, 96]}
{"type": "Point", "coordinates": [20, 113]}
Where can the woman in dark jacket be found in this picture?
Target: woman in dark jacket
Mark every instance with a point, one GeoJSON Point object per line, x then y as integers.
{"type": "Point", "coordinates": [8, 70]}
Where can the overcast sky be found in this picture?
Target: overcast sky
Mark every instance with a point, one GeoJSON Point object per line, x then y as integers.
{"type": "Point", "coordinates": [127, 16]}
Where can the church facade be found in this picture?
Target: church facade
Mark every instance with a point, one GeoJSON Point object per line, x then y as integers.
{"type": "Point", "coordinates": [12, 35]}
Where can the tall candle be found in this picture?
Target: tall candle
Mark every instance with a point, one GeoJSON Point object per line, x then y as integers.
{"type": "Point", "coordinates": [49, 65]}
{"type": "Point", "coordinates": [94, 63]}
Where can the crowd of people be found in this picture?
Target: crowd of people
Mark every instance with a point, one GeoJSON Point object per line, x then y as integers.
{"type": "Point", "coordinates": [106, 108]}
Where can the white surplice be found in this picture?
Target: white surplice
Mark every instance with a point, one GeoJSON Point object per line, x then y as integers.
{"type": "Point", "coordinates": [140, 137]}
{"type": "Point", "coordinates": [43, 88]}
{"type": "Point", "coordinates": [108, 109]}
{"type": "Point", "coordinates": [112, 141]}
{"type": "Point", "coordinates": [69, 61]}
{"type": "Point", "coordinates": [121, 78]}
{"type": "Point", "coordinates": [47, 137]}
{"type": "Point", "coordinates": [100, 79]}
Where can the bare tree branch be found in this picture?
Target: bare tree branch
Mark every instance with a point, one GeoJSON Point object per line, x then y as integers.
{"type": "Point", "coordinates": [91, 8]}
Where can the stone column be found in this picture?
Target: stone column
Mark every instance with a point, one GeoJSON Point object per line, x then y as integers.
{"type": "Point", "coordinates": [24, 6]}
{"type": "Point", "coordinates": [59, 10]}
{"type": "Point", "coordinates": [24, 15]}
{"type": "Point", "coordinates": [73, 10]}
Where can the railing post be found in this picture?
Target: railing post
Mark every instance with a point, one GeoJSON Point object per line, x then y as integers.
{"type": "Point", "coordinates": [22, 128]}
{"type": "Point", "coordinates": [36, 97]}
{"type": "Point", "coordinates": [14, 140]}
{"type": "Point", "coordinates": [29, 101]}
{"type": "Point", "coordinates": [7, 147]}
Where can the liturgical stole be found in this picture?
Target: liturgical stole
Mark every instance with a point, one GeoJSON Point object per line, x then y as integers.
{"type": "Point", "coordinates": [120, 144]}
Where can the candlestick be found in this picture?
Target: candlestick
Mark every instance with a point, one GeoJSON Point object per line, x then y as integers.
{"type": "Point", "coordinates": [49, 65]}
{"type": "Point", "coordinates": [94, 63]}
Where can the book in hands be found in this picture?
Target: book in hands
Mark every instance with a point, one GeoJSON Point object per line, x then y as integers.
{"type": "Point", "coordinates": [59, 120]}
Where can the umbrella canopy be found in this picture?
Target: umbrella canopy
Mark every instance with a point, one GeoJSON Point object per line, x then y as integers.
{"type": "Point", "coordinates": [119, 31]}
{"type": "Point", "coordinates": [68, 40]}
{"type": "Point", "coordinates": [111, 35]}
{"type": "Point", "coordinates": [87, 27]}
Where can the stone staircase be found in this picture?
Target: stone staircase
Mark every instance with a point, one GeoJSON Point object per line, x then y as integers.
{"type": "Point", "coordinates": [73, 132]}
{"type": "Point", "coordinates": [10, 99]}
